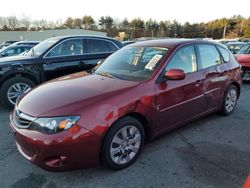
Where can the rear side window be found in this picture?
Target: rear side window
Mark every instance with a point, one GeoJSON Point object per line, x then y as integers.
{"type": "Point", "coordinates": [209, 56]}
{"type": "Point", "coordinates": [224, 53]}
{"type": "Point", "coordinates": [100, 46]}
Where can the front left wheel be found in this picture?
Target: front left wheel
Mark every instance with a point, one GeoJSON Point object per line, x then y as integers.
{"type": "Point", "coordinates": [13, 88]}
{"type": "Point", "coordinates": [123, 142]}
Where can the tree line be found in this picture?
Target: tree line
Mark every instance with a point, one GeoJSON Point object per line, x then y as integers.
{"type": "Point", "coordinates": [236, 26]}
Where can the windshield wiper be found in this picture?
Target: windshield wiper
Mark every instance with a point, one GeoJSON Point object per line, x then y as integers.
{"type": "Point", "coordinates": [106, 74]}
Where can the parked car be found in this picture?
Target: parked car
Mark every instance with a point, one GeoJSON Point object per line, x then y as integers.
{"type": "Point", "coordinates": [125, 43]}
{"type": "Point", "coordinates": [26, 42]}
{"type": "Point", "coordinates": [247, 183]}
{"type": "Point", "coordinates": [14, 50]}
{"type": "Point", "coordinates": [243, 57]}
{"type": "Point", "coordinates": [136, 94]}
{"type": "Point", "coordinates": [49, 59]}
{"type": "Point", "coordinates": [7, 43]}
{"type": "Point", "coordinates": [234, 47]}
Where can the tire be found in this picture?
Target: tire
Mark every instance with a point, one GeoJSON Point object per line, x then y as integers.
{"type": "Point", "coordinates": [16, 86]}
{"type": "Point", "coordinates": [229, 100]}
{"type": "Point", "coordinates": [117, 152]}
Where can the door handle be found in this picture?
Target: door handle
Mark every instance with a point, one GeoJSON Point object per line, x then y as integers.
{"type": "Point", "coordinates": [198, 83]}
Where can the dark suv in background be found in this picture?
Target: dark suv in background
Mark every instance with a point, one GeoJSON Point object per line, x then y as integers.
{"type": "Point", "coordinates": [49, 59]}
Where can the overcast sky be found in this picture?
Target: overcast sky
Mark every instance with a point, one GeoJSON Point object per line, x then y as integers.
{"type": "Point", "coordinates": [193, 11]}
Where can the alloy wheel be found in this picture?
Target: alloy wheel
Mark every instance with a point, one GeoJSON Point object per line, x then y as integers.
{"type": "Point", "coordinates": [231, 100]}
{"type": "Point", "coordinates": [16, 90]}
{"type": "Point", "coordinates": [125, 145]}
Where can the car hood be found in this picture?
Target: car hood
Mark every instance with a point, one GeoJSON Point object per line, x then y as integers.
{"type": "Point", "coordinates": [243, 59]}
{"type": "Point", "coordinates": [68, 94]}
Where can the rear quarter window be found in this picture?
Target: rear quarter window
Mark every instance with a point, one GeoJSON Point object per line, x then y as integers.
{"type": "Point", "coordinates": [224, 53]}
{"type": "Point", "coordinates": [100, 46]}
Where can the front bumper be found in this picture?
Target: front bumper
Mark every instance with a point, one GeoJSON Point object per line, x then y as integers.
{"type": "Point", "coordinates": [71, 149]}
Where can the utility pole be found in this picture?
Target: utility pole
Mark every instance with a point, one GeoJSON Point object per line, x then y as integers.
{"type": "Point", "coordinates": [224, 31]}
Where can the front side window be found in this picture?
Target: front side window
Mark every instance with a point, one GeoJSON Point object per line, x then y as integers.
{"type": "Point", "coordinates": [132, 63]}
{"type": "Point", "coordinates": [209, 56]}
{"type": "Point", "coordinates": [99, 46]}
{"type": "Point", "coordinates": [184, 59]}
{"type": "Point", "coordinates": [67, 48]}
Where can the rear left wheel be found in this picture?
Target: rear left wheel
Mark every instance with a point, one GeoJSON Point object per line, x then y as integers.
{"type": "Point", "coordinates": [229, 100]}
{"type": "Point", "coordinates": [123, 143]}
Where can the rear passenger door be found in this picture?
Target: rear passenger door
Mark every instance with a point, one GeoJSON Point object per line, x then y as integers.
{"type": "Point", "coordinates": [211, 64]}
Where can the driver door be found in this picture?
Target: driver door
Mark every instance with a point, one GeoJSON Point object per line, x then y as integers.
{"type": "Point", "coordinates": [180, 100]}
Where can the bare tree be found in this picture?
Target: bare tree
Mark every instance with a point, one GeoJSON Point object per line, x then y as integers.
{"type": "Point", "coordinates": [2, 22]}
{"type": "Point", "coordinates": [25, 21]}
{"type": "Point", "coordinates": [13, 22]}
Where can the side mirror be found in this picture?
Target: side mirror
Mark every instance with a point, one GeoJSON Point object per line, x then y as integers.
{"type": "Point", "coordinates": [175, 74]}
{"type": "Point", "coordinates": [100, 62]}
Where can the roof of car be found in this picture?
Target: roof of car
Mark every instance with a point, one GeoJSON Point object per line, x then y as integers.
{"type": "Point", "coordinates": [17, 46]}
{"type": "Point", "coordinates": [169, 43]}
{"type": "Point", "coordinates": [120, 45]}
{"type": "Point", "coordinates": [25, 42]}
{"type": "Point", "coordinates": [236, 42]}
{"type": "Point", "coordinates": [84, 36]}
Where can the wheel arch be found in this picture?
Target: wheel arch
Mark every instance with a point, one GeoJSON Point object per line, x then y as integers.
{"type": "Point", "coordinates": [237, 85]}
{"type": "Point", "coordinates": [141, 118]}
{"type": "Point", "coordinates": [20, 74]}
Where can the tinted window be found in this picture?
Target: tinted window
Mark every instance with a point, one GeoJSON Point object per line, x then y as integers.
{"type": "Point", "coordinates": [10, 52]}
{"type": "Point", "coordinates": [184, 59]}
{"type": "Point", "coordinates": [67, 48]}
{"type": "Point", "coordinates": [209, 56]}
{"type": "Point", "coordinates": [225, 54]}
{"type": "Point", "coordinates": [14, 51]}
{"type": "Point", "coordinates": [25, 49]}
{"type": "Point", "coordinates": [245, 50]}
{"type": "Point", "coordinates": [99, 46]}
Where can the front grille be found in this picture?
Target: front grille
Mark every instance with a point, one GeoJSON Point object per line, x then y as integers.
{"type": "Point", "coordinates": [22, 120]}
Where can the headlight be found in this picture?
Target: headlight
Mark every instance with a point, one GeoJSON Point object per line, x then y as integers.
{"type": "Point", "coordinates": [54, 124]}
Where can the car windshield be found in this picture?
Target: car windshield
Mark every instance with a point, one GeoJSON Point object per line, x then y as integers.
{"type": "Point", "coordinates": [42, 47]}
{"type": "Point", "coordinates": [245, 50]}
{"type": "Point", "coordinates": [132, 63]}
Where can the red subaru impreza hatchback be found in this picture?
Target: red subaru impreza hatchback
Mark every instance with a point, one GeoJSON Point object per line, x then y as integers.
{"type": "Point", "coordinates": [136, 94]}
